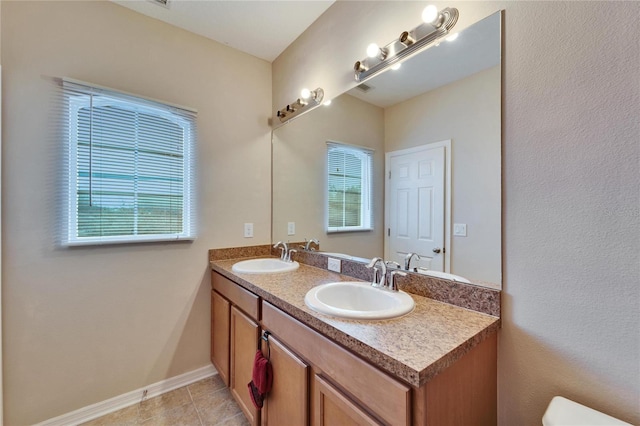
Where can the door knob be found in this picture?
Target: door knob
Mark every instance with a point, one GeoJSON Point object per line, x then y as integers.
{"type": "Point", "coordinates": [436, 250]}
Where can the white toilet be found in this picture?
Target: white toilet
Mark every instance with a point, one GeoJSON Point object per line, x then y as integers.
{"type": "Point", "coordinates": [564, 412]}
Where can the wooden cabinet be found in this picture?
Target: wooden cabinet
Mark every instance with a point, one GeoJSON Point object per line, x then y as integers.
{"type": "Point", "coordinates": [332, 407]}
{"type": "Point", "coordinates": [463, 394]}
{"type": "Point", "coordinates": [318, 382]}
{"type": "Point", "coordinates": [235, 313]}
{"type": "Point", "coordinates": [220, 322]}
{"type": "Point", "coordinates": [385, 398]}
{"type": "Point", "coordinates": [288, 401]}
{"type": "Point", "coordinates": [244, 344]}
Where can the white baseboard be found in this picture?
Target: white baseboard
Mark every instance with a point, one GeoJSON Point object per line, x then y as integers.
{"type": "Point", "coordinates": [119, 402]}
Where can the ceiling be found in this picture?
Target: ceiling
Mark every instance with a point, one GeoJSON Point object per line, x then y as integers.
{"type": "Point", "coordinates": [260, 28]}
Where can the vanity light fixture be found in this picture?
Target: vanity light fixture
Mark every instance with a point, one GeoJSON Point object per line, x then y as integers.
{"type": "Point", "coordinates": [436, 25]}
{"type": "Point", "coordinates": [308, 100]}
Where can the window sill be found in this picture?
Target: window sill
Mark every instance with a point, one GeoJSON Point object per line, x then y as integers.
{"type": "Point", "coordinates": [124, 240]}
{"type": "Point", "coordinates": [344, 230]}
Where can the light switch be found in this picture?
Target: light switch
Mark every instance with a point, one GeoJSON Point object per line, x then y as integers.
{"type": "Point", "coordinates": [291, 228]}
{"type": "Point", "coordinates": [460, 229]}
{"type": "Point", "coordinates": [248, 230]}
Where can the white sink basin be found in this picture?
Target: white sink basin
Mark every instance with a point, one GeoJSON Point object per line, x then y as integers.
{"type": "Point", "coordinates": [344, 256]}
{"type": "Point", "coordinates": [264, 266]}
{"type": "Point", "coordinates": [445, 275]}
{"type": "Point", "coordinates": [339, 255]}
{"type": "Point", "coordinates": [358, 300]}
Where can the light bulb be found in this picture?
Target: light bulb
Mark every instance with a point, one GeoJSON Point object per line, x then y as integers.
{"type": "Point", "coordinates": [396, 66]}
{"type": "Point", "coordinates": [327, 103]}
{"type": "Point", "coordinates": [429, 14]}
{"type": "Point", "coordinates": [305, 93]}
{"type": "Point", "coordinates": [373, 50]}
{"type": "Point", "coordinates": [452, 37]}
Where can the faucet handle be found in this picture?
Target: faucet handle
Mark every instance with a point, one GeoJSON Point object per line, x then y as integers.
{"type": "Point", "coordinates": [288, 259]}
{"type": "Point", "coordinates": [392, 285]}
{"type": "Point", "coordinates": [393, 263]}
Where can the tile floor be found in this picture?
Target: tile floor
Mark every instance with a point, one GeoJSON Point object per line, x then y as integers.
{"type": "Point", "coordinates": [203, 403]}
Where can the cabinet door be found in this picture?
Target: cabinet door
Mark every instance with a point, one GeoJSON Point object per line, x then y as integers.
{"type": "Point", "coordinates": [331, 407]}
{"type": "Point", "coordinates": [387, 398]}
{"type": "Point", "coordinates": [244, 344]}
{"type": "Point", "coordinates": [220, 309]}
{"type": "Point", "coordinates": [287, 403]}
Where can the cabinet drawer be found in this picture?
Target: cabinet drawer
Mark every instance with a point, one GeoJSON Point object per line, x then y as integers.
{"type": "Point", "coordinates": [243, 299]}
{"type": "Point", "coordinates": [389, 399]}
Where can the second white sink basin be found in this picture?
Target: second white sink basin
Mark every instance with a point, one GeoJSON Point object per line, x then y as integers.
{"type": "Point", "coordinates": [358, 300]}
{"type": "Point", "coordinates": [445, 275]}
{"type": "Point", "coordinates": [264, 266]}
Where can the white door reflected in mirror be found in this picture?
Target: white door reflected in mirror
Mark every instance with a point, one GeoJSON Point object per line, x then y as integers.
{"type": "Point", "coordinates": [415, 207]}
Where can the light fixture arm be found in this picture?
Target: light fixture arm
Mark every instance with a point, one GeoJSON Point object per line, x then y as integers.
{"type": "Point", "coordinates": [407, 44]}
{"type": "Point", "coordinates": [300, 105]}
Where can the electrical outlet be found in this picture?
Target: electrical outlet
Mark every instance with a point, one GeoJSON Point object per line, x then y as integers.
{"type": "Point", "coordinates": [334, 264]}
{"type": "Point", "coordinates": [248, 230]}
{"type": "Point", "coordinates": [291, 228]}
{"type": "Point", "coordinates": [460, 229]}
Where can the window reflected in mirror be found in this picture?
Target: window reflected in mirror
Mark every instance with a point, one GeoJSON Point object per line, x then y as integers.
{"type": "Point", "coordinates": [349, 206]}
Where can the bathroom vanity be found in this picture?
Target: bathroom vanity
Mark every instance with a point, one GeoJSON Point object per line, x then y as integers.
{"type": "Point", "coordinates": [433, 366]}
{"type": "Point", "coordinates": [437, 364]}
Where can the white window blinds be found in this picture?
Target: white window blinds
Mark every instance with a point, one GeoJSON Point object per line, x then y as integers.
{"type": "Point", "coordinates": [130, 167]}
{"type": "Point", "coordinates": [349, 188]}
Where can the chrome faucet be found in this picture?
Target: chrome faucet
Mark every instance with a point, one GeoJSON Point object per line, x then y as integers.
{"type": "Point", "coordinates": [379, 274]}
{"type": "Point", "coordinates": [308, 247]}
{"type": "Point", "coordinates": [284, 250]}
{"type": "Point", "coordinates": [407, 260]}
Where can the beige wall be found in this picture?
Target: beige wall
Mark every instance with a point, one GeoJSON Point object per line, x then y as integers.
{"type": "Point", "coordinates": [1, 362]}
{"type": "Point", "coordinates": [467, 112]}
{"type": "Point", "coordinates": [85, 324]}
{"type": "Point", "coordinates": [570, 186]}
{"type": "Point", "coordinates": [299, 173]}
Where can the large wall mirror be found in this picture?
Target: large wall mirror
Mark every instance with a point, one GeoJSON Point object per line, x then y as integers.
{"type": "Point", "coordinates": [432, 131]}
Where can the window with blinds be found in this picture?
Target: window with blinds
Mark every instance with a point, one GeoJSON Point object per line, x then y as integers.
{"type": "Point", "coordinates": [349, 188]}
{"type": "Point", "coordinates": [130, 167]}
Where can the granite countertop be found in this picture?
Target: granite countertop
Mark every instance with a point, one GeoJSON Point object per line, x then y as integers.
{"type": "Point", "coordinates": [414, 347]}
